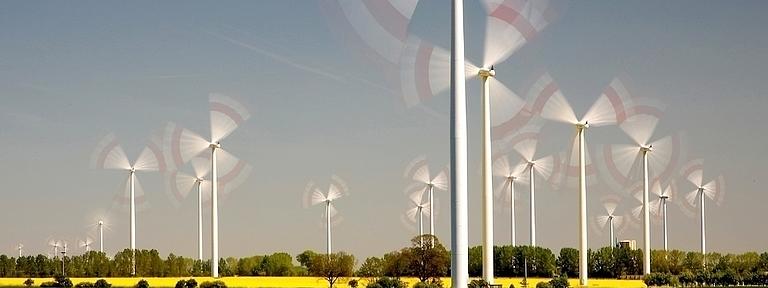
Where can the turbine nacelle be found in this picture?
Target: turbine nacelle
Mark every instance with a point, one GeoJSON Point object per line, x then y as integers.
{"type": "Point", "coordinates": [216, 145]}
{"type": "Point", "coordinates": [485, 73]}
{"type": "Point", "coordinates": [582, 126]}
{"type": "Point", "coordinates": [646, 149]}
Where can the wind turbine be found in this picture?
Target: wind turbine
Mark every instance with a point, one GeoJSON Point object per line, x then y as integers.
{"type": "Point", "coordinates": [110, 155]}
{"type": "Point", "coordinates": [639, 124]}
{"type": "Point", "coordinates": [182, 183]}
{"type": "Point", "coordinates": [610, 218]}
{"type": "Point", "coordinates": [86, 244]}
{"type": "Point", "coordinates": [336, 190]}
{"type": "Point", "coordinates": [506, 190]}
{"type": "Point", "coordinates": [226, 115]}
{"type": "Point", "coordinates": [693, 171]}
{"type": "Point", "coordinates": [418, 170]}
{"type": "Point", "coordinates": [604, 111]}
{"type": "Point", "coordinates": [458, 151]}
{"type": "Point", "coordinates": [418, 207]}
{"type": "Point", "coordinates": [55, 246]}
{"type": "Point", "coordinates": [660, 206]}
{"type": "Point", "coordinates": [525, 143]}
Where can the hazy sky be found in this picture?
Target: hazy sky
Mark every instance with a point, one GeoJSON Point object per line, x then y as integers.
{"type": "Point", "coordinates": [70, 72]}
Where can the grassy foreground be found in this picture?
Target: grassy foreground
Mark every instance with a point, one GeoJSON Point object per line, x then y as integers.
{"type": "Point", "coordinates": [308, 282]}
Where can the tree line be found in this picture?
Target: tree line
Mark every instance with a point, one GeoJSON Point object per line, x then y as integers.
{"type": "Point", "coordinates": [426, 258]}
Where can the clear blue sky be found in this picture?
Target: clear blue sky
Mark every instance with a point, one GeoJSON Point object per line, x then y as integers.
{"type": "Point", "coordinates": [71, 72]}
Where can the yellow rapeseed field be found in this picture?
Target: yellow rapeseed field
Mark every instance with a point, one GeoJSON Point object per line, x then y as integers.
{"type": "Point", "coordinates": [308, 282]}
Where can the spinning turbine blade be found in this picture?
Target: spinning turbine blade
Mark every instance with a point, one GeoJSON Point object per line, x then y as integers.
{"type": "Point", "coordinates": [201, 166]}
{"type": "Point", "coordinates": [179, 185]}
{"type": "Point", "coordinates": [424, 71]}
{"type": "Point", "coordinates": [109, 154]}
{"type": "Point", "coordinates": [511, 24]}
{"type": "Point", "coordinates": [182, 145]}
{"type": "Point", "coordinates": [381, 25]}
{"type": "Point", "coordinates": [555, 107]}
{"type": "Point", "coordinates": [505, 104]}
{"type": "Point", "coordinates": [226, 115]}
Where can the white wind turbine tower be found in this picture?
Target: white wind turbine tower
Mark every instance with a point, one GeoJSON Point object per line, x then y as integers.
{"type": "Point", "coordinates": [182, 183]}
{"type": "Point", "coordinates": [109, 155]}
{"type": "Point", "coordinates": [336, 190]}
{"type": "Point", "coordinates": [603, 112]}
{"type": "Point", "coordinates": [458, 140]}
{"type": "Point", "coordinates": [226, 115]}
{"type": "Point", "coordinates": [714, 190]}
{"type": "Point", "coordinates": [20, 247]}
{"type": "Point", "coordinates": [418, 170]}
{"type": "Point", "coordinates": [506, 190]}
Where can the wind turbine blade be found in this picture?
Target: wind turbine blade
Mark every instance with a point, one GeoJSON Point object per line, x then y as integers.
{"type": "Point", "coordinates": [610, 207]}
{"type": "Point", "coordinates": [667, 155]}
{"type": "Point", "coordinates": [333, 210]}
{"type": "Point", "coordinates": [620, 163]}
{"type": "Point", "coordinates": [691, 197]}
{"type": "Point", "coordinates": [318, 197]}
{"type": "Point", "coordinates": [416, 197]}
{"type": "Point", "coordinates": [440, 182]}
{"type": "Point", "coordinates": [602, 113]}
{"type": "Point", "coordinates": [502, 190]}
{"type": "Point", "coordinates": [381, 25]}
{"type": "Point", "coordinates": [545, 167]}
{"type": "Point", "coordinates": [148, 160]}
{"type": "Point", "coordinates": [618, 221]}
{"type": "Point", "coordinates": [553, 104]}
{"type": "Point", "coordinates": [602, 220]}
{"type": "Point", "coordinates": [226, 115]}
{"type": "Point", "coordinates": [611, 106]}
{"type": "Point", "coordinates": [232, 171]}
{"type": "Point", "coordinates": [501, 167]}
{"type": "Point", "coordinates": [424, 71]}
{"type": "Point", "coordinates": [179, 186]}
{"type": "Point", "coordinates": [333, 192]}
{"type": "Point", "coordinates": [525, 144]}
{"type": "Point", "coordinates": [422, 174]}
{"type": "Point", "coordinates": [109, 154]}
{"type": "Point", "coordinates": [719, 190]}
{"type": "Point", "coordinates": [640, 128]}
{"type": "Point", "coordinates": [505, 104]}
{"type": "Point", "coordinates": [201, 165]}
{"type": "Point", "coordinates": [655, 206]}
{"type": "Point", "coordinates": [511, 24]}
{"type": "Point", "coordinates": [412, 166]}
{"type": "Point", "coordinates": [636, 211]}
{"type": "Point", "coordinates": [693, 172]}
{"type": "Point", "coordinates": [656, 188]}
{"type": "Point", "coordinates": [412, 213]}
{"type": "Point", "coordinates": [182, 145]}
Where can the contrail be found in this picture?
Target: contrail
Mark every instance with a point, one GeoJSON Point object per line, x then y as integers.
{"type": "Point", "coordinates": [279, 58]}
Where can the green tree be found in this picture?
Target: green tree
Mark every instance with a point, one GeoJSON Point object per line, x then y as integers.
{"type": "Point", "coordinates": [332, 266]}
{"type": "Point", "coordinates": [372, 267]}
{"type": "Point", "coordinates": [305, 258]}
{"type": "Point", "coordinates": [568, 261]}
{"type": "Point", "coordinates": [397, 263]}
{"type": "Point", "coordinates": [475, 256]}
{"type": "Point", "coordinates": [430, 259]}
{"type": "Point", "coordinates": [250, 266]}
{"type": "Point", "coordinates": [278, 264]}
{"type": "Point", "coordinates": [386, 282]}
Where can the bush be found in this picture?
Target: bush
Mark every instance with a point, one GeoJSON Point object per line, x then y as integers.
{"type": "Point", "coordinates": [386, 282]}
{"type": "Point", "coordinates": [352, 283]}
{"type": "Point", "coordinates": [479, 283]}
{"type": "Point", "coordinates": [84, 285]}
{"type": "Point", "coordinates": [181, 284]}
{"type": "Point", "coordinates": [49, 284]}
{"type": "Point", "coordinates": [559, 282]}
{"type": "Point", "coordinates": [657, 279]}
{"type": "Point", "coordinates": [543, 285]}
{"type": "Point", "coordinates": [101, 283]}
{"type": "Point", "coordinates": [29, 282]}
{"type": "Point", "coordinates": [142, 284]}
{"type": "Point", "coordinates": [213, 284]}
{"type": "Point", "coordinates": [191, 283]}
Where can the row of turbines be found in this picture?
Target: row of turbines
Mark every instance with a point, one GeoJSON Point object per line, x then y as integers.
{"type": "Point", "coordinates": [426, 70]}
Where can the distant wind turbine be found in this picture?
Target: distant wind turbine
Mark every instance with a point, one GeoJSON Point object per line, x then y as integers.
{"type": "Point", "coordinates": [86, 244]}
{"type": "Point", "coordinates": [610, 218]}
{"type": "Point", "coordinates": [693, 171]}
{"type": "Point", "coordinates": [180, 184]}
{"type": "Point", "coordinates": [314, 196]}
{"type": "Point", "coordinates": [109, 155]}
{"type": "Point", "coordinates": [511, 174]}
{"type": "Point", "coordinates": [418, 170]}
